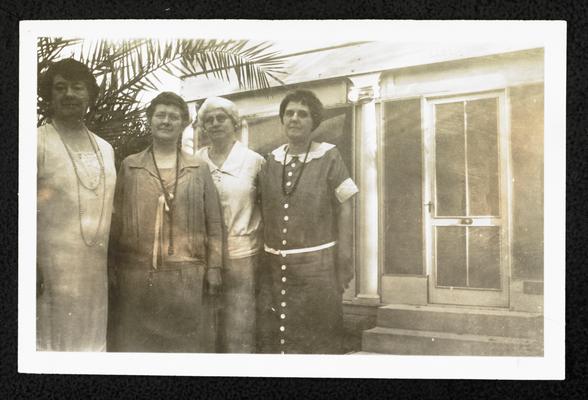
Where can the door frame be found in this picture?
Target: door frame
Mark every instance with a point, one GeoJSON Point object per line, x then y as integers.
{"type": "Point", "coordinates": [468, 296]}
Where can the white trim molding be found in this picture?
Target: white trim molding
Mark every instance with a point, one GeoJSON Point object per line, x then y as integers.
{"type": "Point", "coordinates": [364, 93]}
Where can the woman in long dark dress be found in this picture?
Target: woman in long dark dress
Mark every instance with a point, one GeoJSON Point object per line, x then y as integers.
{"type": "Point", "coordinates": [167, 243]}
{"type": "Point", "coordinates": [305, 193]}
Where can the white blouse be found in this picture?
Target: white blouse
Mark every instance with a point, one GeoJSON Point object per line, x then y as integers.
{"type": "Point", "coordinates": [236, 183]}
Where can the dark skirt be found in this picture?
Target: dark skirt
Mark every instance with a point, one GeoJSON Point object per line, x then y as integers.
{"type": "Point", "coordinates": [304, 311]}
{"type": "Point", "coordinates": [237, 312]}
{"type": "Point", "coordinates": [164, 310]}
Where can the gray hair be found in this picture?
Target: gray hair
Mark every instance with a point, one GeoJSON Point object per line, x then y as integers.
{"type": "Point", "coordinates": [213, 103]}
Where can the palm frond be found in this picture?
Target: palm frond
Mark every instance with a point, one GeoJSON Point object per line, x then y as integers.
{"type": "Point", "coordinates": [124, 69]}
{"type": "Point", "coordinates": [253, 66]}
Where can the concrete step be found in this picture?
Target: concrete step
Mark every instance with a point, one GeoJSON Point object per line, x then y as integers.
{"type": "Point", "coordinates": [461, 320]}
{"type": "Point", "coordinates": [416, 342]}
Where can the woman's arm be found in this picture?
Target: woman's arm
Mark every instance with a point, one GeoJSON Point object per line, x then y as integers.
{"type": "Point", "coordinates": [344, 189]}
{"type": "Point", "coordinates": [345, 244]}
{"type": "Point", "coordinates": [214, 232]}
{"type": "Point", "coordinates": [116, 227]}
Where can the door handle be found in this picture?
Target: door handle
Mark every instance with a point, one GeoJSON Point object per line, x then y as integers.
{"type": "Point", "coordinates": [429, 206]}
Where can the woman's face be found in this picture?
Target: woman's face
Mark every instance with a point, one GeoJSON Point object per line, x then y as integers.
{"type": "Point", "coordinates": [166, 123]}
{"type": "Point", "coordinates": [218, 125]}
{"type": "Point", "coordinates": [297, 122]}
{"type": "Point", "coordinates": [69, 99]}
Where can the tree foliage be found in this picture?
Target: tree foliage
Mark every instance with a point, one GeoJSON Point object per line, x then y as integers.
{"type": "Point", "coordinates": [125, 69]}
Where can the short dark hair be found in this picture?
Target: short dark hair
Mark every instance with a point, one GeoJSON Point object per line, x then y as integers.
{"type": "Point", "coordinates": [169, 99]}
{"type": "Point", "coordinates": [72, 70]}
{"type": "Point", "coordinates": [307, 98]}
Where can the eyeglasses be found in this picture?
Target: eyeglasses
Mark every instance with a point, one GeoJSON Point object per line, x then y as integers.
{"type": "Point", "coordinates": [220, 118]}
{"type": "Point", "coordinates": [300, 113]}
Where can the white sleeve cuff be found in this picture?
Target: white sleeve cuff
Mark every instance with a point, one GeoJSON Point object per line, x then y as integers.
{"type": "Point", "coordinates": [345, 190]}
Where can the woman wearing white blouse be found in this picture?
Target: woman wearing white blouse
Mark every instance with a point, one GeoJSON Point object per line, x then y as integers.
{"type": "Point", "coordinates": [234, 170]}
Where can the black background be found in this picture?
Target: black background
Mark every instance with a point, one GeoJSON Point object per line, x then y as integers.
{"type": "Point", "coordinates": [14, 385]}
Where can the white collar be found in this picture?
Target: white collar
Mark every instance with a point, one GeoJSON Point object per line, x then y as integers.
{"type": "Point", "coordinates": [232, 164]}
{"type": "Point", "coordinates": [317, 150]}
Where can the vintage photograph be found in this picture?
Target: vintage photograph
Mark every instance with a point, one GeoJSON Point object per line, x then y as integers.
{"type": "Point", "coordinates": [345, 197]}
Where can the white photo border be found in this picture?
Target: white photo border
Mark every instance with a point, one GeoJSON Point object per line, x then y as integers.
{"type": "Point", "coordinates": [551, 34]}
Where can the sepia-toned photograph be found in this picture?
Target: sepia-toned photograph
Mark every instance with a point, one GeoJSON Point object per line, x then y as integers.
{"type": "Point", "coordinates": [292, 193]}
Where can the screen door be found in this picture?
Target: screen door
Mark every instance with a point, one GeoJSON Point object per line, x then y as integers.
{"type": "Point", "coordinates": [466, 200]}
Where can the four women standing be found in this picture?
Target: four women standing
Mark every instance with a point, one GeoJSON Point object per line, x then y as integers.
{"type": "Point", "coordinates": [177, 219]}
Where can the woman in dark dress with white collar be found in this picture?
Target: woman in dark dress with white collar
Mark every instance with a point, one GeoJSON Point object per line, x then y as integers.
{"type": "Point", "coordinates": [305, 193]}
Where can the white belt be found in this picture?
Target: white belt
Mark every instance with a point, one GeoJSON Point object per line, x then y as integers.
{"type": "Point", "coordinates": [297, 251]}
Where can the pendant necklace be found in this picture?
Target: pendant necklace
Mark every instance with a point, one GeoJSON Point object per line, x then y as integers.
{"type": "Point", "coordinates": [295, 185]}
{"type": "Point", "coordinates": [92, 188]}
{"type": "Point", "coordinates": [169, 198]}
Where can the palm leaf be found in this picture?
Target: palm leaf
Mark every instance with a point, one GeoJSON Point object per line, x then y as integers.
{"type": "Point", "coordinates": [125, 69]}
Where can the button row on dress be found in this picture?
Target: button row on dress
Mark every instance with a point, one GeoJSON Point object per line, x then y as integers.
{"type": "Point", "coordinates": [283, 267]}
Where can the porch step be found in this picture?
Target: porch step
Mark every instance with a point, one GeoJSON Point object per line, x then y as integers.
{"type": "Point", "coordinates": [461, 320]}
{"type": "Point", "coordinates": [418, 342]}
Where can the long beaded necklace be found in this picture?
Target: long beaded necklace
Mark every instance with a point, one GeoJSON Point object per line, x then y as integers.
{"type": "Point", "coordinates": [295, 185]}
{"type": "Point", "coordinates": [80, 181]}
{"type": "Point", "coordinates": [169, 198]}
